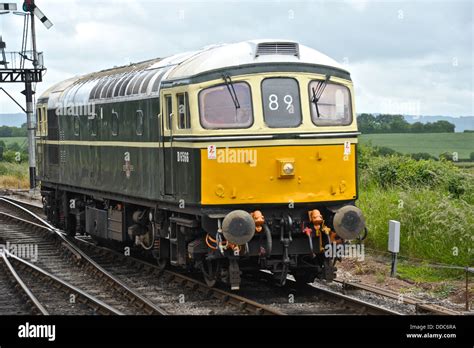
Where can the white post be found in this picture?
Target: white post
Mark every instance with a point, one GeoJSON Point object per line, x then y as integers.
{"type": "Point", "coordinates": [394, 243]}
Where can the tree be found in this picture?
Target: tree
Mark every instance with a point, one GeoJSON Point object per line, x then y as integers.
{"type": "Point", "coordinates": [5, 131]}
{"type": "Point", "coordinates": [367, 123]}
{"type": "Point", "coordinates": [399, 125]}
{"type": "Point", "coordinates": [417, 127]}
{"type": "Point", "coordinates": [443, 127]}
{"type": "Point", "coordinates": [392, 123]}
{"type": "Point", "coordinates": [384, 122]}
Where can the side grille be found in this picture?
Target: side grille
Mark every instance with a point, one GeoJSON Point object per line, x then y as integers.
{"type": "Point", "coordinates": [282, 48]}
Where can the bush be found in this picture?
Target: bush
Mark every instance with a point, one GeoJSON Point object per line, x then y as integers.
{"type": "Point", "coordinates": [407, 173]}
{"type": "Point", "coordinates": [12, 156]}
{"type": "Point", "coordinates": [386, 151]}
{"type": "Point", "coordinates": [422, 156]}
{"type": "Point", "coordinates": [447, 156]}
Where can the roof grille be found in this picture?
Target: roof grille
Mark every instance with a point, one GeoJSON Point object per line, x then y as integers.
{"type": "Point", "coordinates": [283, 48]}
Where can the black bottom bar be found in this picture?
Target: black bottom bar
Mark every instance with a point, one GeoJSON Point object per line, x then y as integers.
{"type": "Point", "coordinates": [308, 331]}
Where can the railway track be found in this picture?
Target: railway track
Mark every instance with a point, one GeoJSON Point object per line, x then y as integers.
{"type": "Point", "coordinates": [47, 294]}
{"type": "Point", "coordinates": [357, 305]}
{"type": "Point", "coordinates": [17, 298]}
{"type": "Point", "coordinates": [420, 307]}
{"type": "Point", "coordinates": [262, 299]}
{"type": "Point", "coordinates": [197, 297]}
{"type": "Point", "coordinates": [176, 293]}
{"type": "Point", "coordinates": [32, 206]}
{"type": "Point", "coordinates": [307, 299]}
{"type": "Point", "coordinates": [140, 282]}
{"type": "Point", "coordinates": [58, 257]}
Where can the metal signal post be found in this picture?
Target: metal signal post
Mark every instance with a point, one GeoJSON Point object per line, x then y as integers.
{"type": "Point", "coordinates": [27, 76]}
{"type": "Point", "coordinates": [31, 127]}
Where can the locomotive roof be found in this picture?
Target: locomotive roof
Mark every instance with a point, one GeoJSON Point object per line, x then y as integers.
{"type": "Point", "coordinates": [144, 78]}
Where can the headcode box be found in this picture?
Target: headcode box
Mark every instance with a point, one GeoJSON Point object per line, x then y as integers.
{"type": "Point", "coordinates": [394, 236]}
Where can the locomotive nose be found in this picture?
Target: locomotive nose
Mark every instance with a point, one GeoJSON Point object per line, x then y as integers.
{"type": "Point", "coordinates": [349, 222]}
{"type": "Point", "coordinates": [238, 227]}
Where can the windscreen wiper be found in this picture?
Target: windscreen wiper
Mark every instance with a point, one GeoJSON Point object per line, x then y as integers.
{"type": "Point", "coordinates": [230, 88]}
{"type": "Point", "coordinates": [318, 91]}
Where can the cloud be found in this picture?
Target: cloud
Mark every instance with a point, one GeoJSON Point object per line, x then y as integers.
{"type": "Point", "coordinates": [396, 50]}
{"type": "Point", "coordinates": [430, 85]}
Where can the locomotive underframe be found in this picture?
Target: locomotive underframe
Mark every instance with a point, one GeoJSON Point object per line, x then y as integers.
{"type": "Point", "coordinates": [180, 234]}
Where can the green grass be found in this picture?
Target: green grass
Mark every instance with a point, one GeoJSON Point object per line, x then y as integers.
{"type": "Point", "coordinates": [466, 166]}
{"type": "Point", "coordinates": [432, 143]}
{"type": "Point", "coordinates": [434, 202]}
{"type": "Point", "coordinates": [424, 273]}
{"type": "Point", "coordinates": [434, 227]}
{"type": "Point", "coordinates": [13, 175]}
{"type": "Point", "coordinates": [14, 169]}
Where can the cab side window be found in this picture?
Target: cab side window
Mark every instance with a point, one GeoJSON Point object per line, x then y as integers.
{"type": "Point", "coordinates": [115, 123]}
{"type": "Point", "coordinates": [92, 124]}
{"type": "Point", "coordinates": [168, 111]}
{"type": "Point", "coordinates": [39, 121]}
{"type": "Point", "coordinates": [139, 124]}
{"type": "Point", "coordinates": [184, 119]}
{"type": "Point", "coordinates": [76, 125]}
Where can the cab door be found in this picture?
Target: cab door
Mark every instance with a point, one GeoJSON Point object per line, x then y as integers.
{"type": "Point", "coordinates": [41, 136]}
{"type": "Point", "coordinates": [166, 145]}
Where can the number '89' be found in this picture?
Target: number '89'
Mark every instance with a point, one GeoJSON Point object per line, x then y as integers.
{"type": "Point", "coordinates": [273, 103]}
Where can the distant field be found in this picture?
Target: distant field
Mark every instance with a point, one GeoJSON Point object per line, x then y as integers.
{"type": "Point", "coordinates": [432, 143]}
{"type": "Point", "coordinates": [19, 140]}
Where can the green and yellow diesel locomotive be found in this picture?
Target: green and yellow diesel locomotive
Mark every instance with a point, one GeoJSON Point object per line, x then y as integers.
{"type": "Point", "coordinates": [233, 158]}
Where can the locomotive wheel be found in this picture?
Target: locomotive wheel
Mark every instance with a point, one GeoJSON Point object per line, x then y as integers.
{"type": "Point", "coordinates": [210, 271]}
{"type": "Point", "coordinates": [162, 263]}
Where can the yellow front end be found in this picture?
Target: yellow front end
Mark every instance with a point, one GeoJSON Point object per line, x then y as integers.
{"type": "Point", "coordinates": [279, 174]}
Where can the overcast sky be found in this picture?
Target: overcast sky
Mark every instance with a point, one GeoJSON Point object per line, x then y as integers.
{"type": "Point", "coordinates": [412, 57]}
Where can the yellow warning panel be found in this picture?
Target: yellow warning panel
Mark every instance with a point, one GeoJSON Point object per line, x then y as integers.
{"type": "Point", "coordinates": [278, 174]}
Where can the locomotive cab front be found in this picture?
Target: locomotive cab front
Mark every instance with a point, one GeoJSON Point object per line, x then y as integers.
{"type": "Point", "coordinates": [276, 147]}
